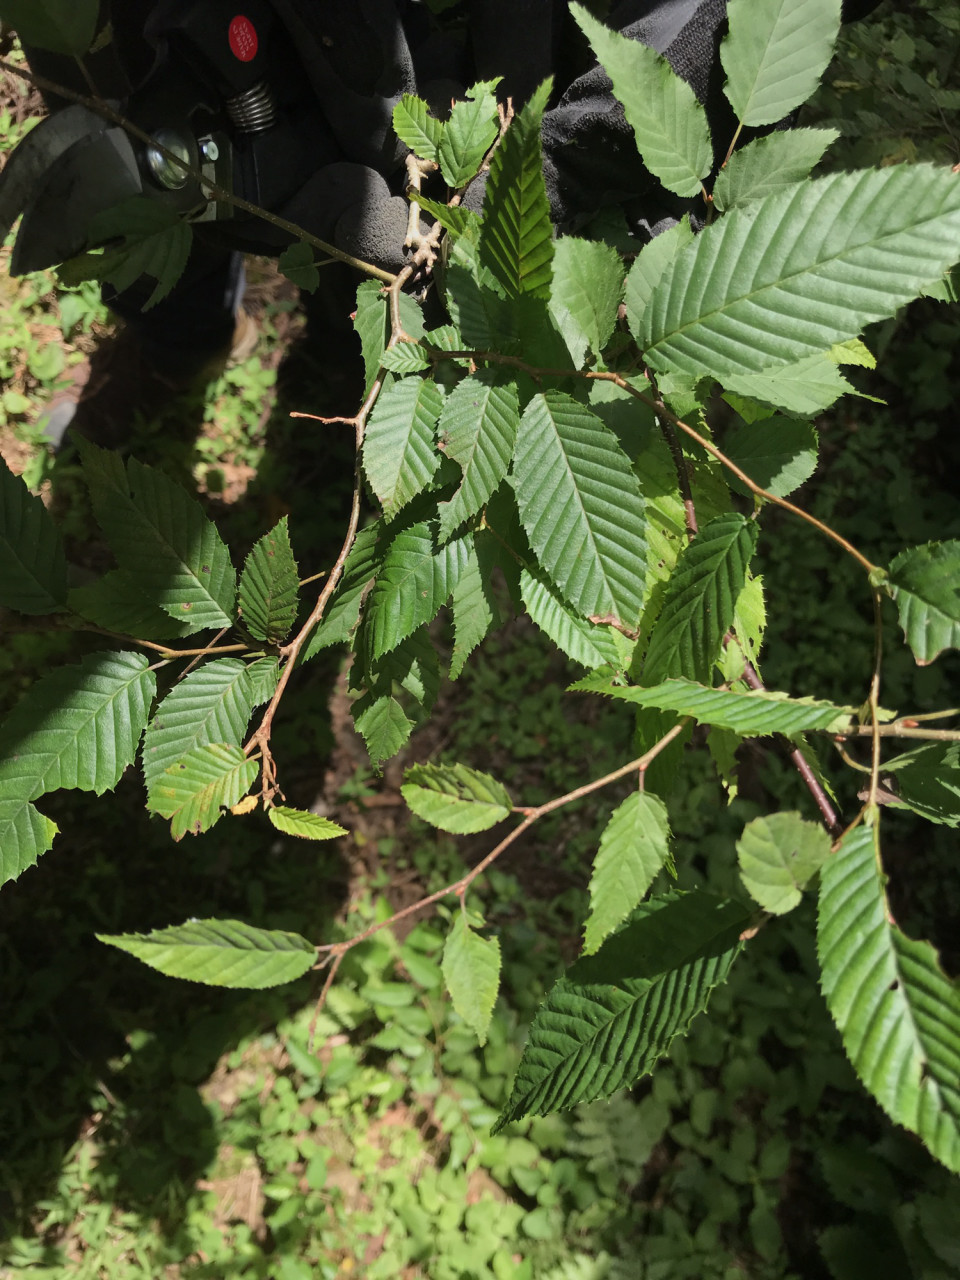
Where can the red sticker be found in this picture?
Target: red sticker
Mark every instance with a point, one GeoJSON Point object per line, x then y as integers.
{"type": "Point", "coordinates": [243, 38]}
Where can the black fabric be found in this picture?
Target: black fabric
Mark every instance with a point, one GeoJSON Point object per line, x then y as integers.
{"type": "Point", "coordinates": [360, 56]}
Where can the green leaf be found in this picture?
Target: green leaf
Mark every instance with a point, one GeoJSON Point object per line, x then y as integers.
{"type": "Point", "coordinates": [25, 835]}
{"type": "Point", "coordinates": [516, 239]}
{"type": "Point", "coordinates": [750, 619]}
{"type": "Point", "coordinates": [212, 704]}
{"type": "Point", "coordinates": [300, 822]}
{"type": "Point", "coordinates": [581, 507]}
{"type": "Point", "coordinates": [473, 604]}
{"type": "Point", "coordinates": [370, 322]}
{"type": "Point", "coordinates": [925, 582]}
{"type": "Point", "coordinates": [455, 798]}
{"type": "Point", "coordinates": [478, 428]}
{"type": "Point", "coordinates": [769, 164]}
{"type": "Point", "coordinates": [412, 587]}
{"type": "Point", "coordinates": [612, 1015]}
{"type": "Point", "coordinates": [298, 265]}
{"type": "Point", "coordinates": [774, 53]}
{"type": "Point", "coordinates": [806, 386]}
{"type": "Point", "coordinates": [78, 727]}
{"type": "Point", "coordinates": [468, 135]}
{"type": "Point", "coordinates": [118, 602]}
{"type": "Point", "coordinates": [264, 675]}
{"type": "Point", "coordinates": [195, 791]}
{"type": "Point", "coordinates": [588, 285]}
{"type": "Point", "coordinates": [383, 724]}
{"type": "Point", "coordinates": [220, 953]}
{"type": "Point", "coordinates": [455, 219]}
{"type": "Point", "coordinates": [634, 847]}
{"type": "Point", "coordinates": [343, 611]}
{"type": "Point", "coordinates": [416, 128]}
{"type": "Point", "coordinates": [649, 265]}
{"type": "Point", "coordinates": [898, 1013]}
{"type": "Point", "coordinates": [471, 971]}
{"type": "Point", "coordinates": [62, 26]}
{"type": "Point", "coordinates": [33, 567]}
{"type": "Point", "coordinates": [778, 454]}
{"type": "Point", "coordinates": [270, 586]}
{"type": "Point", "coordinates": [161, 536]}
{"type": "Point", "coordinates": [669, 123]}
{"type": "Point", "coordinates": [778, 856]}
{"type": "Point", "coordinates": [406, 357]}
{"type": "Point", "coordinates": [146, 238]}
{"type": "Point", "coordinates": [585, 642]}
{"type": "Point", "coordinates": [699, 601]}
{"type": "Point", "coordinates": [757, 714]}
{"type": "Point", "coordinates": [928, 780]}
{"type": "Point", "coordinates": [791, 274]}
{"type": "Point", "coordinates": [398, 452]}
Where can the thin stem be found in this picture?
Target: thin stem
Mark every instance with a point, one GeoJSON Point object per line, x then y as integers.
{"type": "Point", "coordinates": [895, 730]}
{"type": "Point", "coordinates": [874, 698]}
{"type": "Point", "coordinates": [669, 434]}
{"type": "Point", "coordinates": [163, 649]}
{"type": "Point", "coordinates": [460, 886]}
{"type": "Point", "coordinates": [291, 651]}
{"type": "Point", "coordinates": [733, 142]}
{"type": "Point", "coordinates": [796, 757]}
{"type": "Point", "coordinates": [211, 190]}
{"type": "Point", "coordinates": [659, 407]}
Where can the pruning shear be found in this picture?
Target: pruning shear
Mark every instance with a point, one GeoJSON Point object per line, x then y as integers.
{"type": "Point", "coordinates": [208, 102]}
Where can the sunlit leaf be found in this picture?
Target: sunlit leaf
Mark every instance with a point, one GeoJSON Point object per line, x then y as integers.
{"type": "Point", "coordinates": [516, 241]}
{"type": "Point", "coordinates": [768, 164]}
{"type": "Point", "coordinates": [580, 505]}
{"type": "Point", "coordinates": [588, 284]}
{"type": "Point", "coordinates": [634, 847]}
{"type": "Point", "coordinates": [793, 273]}
{"type": "Point", "coordinates": [471, 972]}
{"type": "Point", "coordinates": [925, 582]}
{"type": "Point", "coordinates": [211, 704]}
{"type": "Point", "coordinates": [300, 822]}
{"type": "Point", "coordinates": [478, 427]}
{"type": "Point", "coordinates": [269, 586]}
{"type": "Point", "coordinates": [778, 856]}
{"type": "Point", "coordinates": [898, 1013]}
{"type": "Point", "coordinates": [416, 128]}
{"type": "Point", "coordinates": [774, 53]}
{"type": "Point", "coordinates": [399, 457]}
{"type": "Point", "coordinates": [585, 642]}
{"type": "Point", "coordinates": [758, 713]}
{"type": "Point", "coordinates": [220, 953]}
{"type": "Point", "coordinates": [194, 792]}
{"type": "Point", "coordinates": [669, 123]}
{"type": "Point", "coordinates": [468, 134]}
{"type": "Point", "coordinates": [415, 582]}
{"type": "Point", "coordinates": [608, 1020]}
{"type": "Point", "coordinates": [778, 454]}
{"type": "Point", "coordinates": [699, 601]}
{"type": "Point", "coordinates": [455, 798]}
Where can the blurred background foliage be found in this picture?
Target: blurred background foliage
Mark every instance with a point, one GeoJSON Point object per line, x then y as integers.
{"type": "Point", "coordinates": [154, 1129]}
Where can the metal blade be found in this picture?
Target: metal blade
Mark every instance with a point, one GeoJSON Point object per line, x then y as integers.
{"type": "Point", "coordinates": [40, 149]}
{"type": "Point", "coordinates": [92, 175]}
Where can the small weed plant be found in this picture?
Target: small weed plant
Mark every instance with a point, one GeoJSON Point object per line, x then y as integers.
{"type": "Point", "coordinates": [607, 436]}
